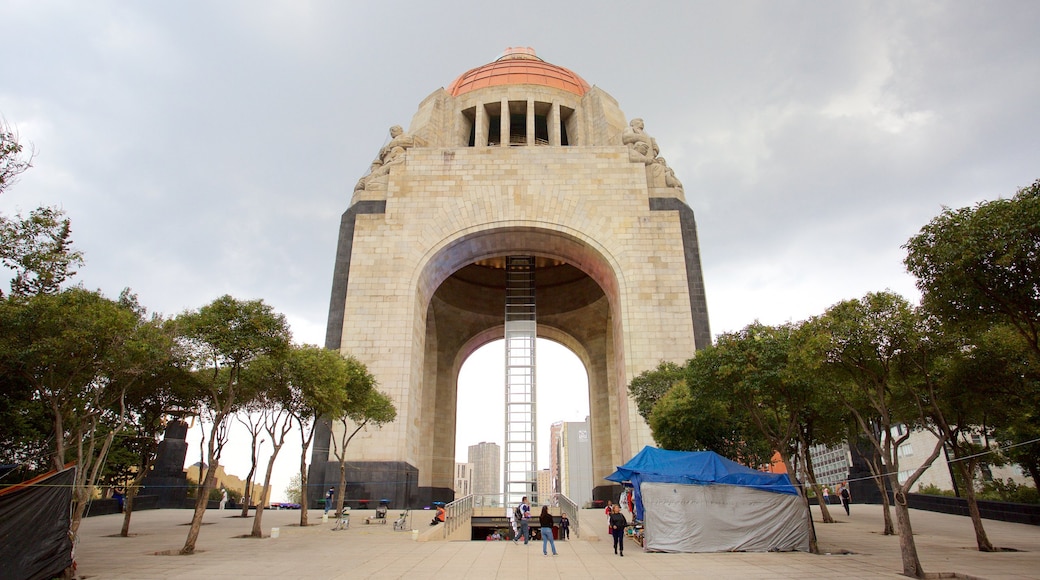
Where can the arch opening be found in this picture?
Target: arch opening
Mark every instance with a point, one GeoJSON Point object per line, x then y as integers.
{"type": "Point", "coordinates": [562, 396]}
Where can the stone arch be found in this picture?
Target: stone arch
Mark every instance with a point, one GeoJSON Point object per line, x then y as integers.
{"type": "Point", "coordinates": [578, 302]}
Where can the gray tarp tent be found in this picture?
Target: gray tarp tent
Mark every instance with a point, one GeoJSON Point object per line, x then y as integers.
{"type": "Point", "coordinates": [703, 502]}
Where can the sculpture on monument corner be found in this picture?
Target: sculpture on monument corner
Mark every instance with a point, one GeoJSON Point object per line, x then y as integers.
{"type": "Point", "coordinates": [390, 155]}
{"type": "Point", "coordinates": [670, 180]}
{"type": "Point", "coordinates": [635, 134]}
{"type": "Point", "coordinates": [642, 148]}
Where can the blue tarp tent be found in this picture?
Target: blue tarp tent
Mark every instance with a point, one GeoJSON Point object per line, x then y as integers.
{"type": "Point", "coordinates": [702, 502]}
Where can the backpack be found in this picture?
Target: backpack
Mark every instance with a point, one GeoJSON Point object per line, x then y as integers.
{"type": "Point", "coordinates": [517, 514]}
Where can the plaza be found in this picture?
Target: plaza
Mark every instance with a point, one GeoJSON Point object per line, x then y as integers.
{"type": "Point", "coordinates": [852, 548]}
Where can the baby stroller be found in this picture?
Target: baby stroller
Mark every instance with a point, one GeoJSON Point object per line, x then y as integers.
{"type": "Point", "coordinates": [401, 524]}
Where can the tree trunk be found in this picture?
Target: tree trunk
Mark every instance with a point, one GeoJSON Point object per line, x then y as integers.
{"type": "Point", "coordinates": [304, 507]}
{"type": "Point", "coordinates": [341, 490]}
{"type": "Point", "coordinates": [886, 509]}
{"type": "Point", "coordinates": [967, 472]}
{"type": "Point", "coordinates": [201, 499]}
{"type": "Point", "coordinates": [814, 547]}
{"type": "Point", "coordinates": [247, 493]}
{"type": "Point", "coordinates": [306, 436]}
{"type": "Point", "coordinates": [257, 531]}
{"type": "Point", "coordinates": [128, 508]}
{"type": "Point", "coordinates": [810, 475]}
{"type": "Point", "coordinates": [907, 546]}
{"type": "Point", "coordinates": [1034, 472]}
{"type": "Point", "coordinates": [879, 481]}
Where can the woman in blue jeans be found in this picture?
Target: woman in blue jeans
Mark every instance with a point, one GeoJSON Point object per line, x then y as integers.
{"type": "Point", "coordinates": [545, 520]}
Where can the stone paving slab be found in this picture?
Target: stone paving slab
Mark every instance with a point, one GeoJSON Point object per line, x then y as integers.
{"type": "Point", "coordinates": [945, 543]}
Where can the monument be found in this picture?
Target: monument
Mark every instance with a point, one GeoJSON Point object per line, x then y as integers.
{"type": "Point", "coordinates": [519, 162]}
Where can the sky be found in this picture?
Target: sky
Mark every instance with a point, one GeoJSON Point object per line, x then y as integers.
{"type": "Point", "coordinates": [204, 148]}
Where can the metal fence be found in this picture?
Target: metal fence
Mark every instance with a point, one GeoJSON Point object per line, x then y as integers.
{"type": "Point", "coordinates": [570, 508]}
{"type": "Point", "coordinates": [457, 514]}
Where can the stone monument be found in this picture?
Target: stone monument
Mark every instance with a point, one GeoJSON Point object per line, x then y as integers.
{"type": "Point", "coordinates": [518, 157]}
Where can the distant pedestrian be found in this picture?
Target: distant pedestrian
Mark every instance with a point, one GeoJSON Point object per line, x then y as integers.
{"type": "Point", "coordinates": [525, 520]}
{"type": "Point", "coordinates": [223, 497]}
{"type": "Point", "coordinates": [846, 497]}
{"type": "Point", "coordinates": [618, 523]}
{"type": "Point", "coordinates": [328, 499]}
{"type": "Point", "coordinates": [826, 496]}
{"type": "Point", "coordinates": [565, 527]}
{"type": "Point", "coordinates": [545, 520]}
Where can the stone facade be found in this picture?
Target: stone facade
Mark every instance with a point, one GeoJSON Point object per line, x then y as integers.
{"type": "Point", "coordinates": [417, 275]}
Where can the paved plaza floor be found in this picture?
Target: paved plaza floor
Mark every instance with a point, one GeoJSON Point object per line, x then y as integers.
{"type": "Point", "coordinates": [851, 548]}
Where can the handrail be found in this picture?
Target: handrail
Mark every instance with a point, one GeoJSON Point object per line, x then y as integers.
{"type": "Point", "coordinates": [457, 514]}
{"type": "Point", "coordinates": [570, 508]}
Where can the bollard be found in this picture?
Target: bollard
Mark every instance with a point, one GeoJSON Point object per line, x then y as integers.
{"type": "Point", "coordinates": [275, 532]}
{"type": "Point", "coordinates": [325, 518]}
{"type": "Point", "coordinates": [415, 535]}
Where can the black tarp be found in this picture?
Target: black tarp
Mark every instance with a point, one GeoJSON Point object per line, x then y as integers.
{"type": "Point", "coordinates": [34, 527]}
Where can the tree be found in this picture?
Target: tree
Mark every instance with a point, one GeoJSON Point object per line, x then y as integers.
{"type": "Point", "coordinates": [39, 251]}
{"type": "Point", "coordinates": [166, 386]}
{"type": "Point", "coordinates": [650, 386]}
{"type": "Point", "coordinates": [365, 406]}
{"type": "Point", "coordinates": [75, 350]}
{"type": "Point", "coordinates": [222, 338]}
{"type": "Point", "coordinates": [13, 158]}
{"type": "Point", "coordinates": [269, 377]}
{"type": "Point", "coordinates": [690, 417]}
{"type": "Point", "coordinates": [985, 383]}
{"type": "Point", "coordinates": [293, 490]}
{"type": "Point", "coordinates": [981, 263]}
{"type": "Point", "coordinates": [317, 387]}
{"type": "Point", "coordinates": [784, 400]}
{"type": "Point", "coordinates": [878, 344]}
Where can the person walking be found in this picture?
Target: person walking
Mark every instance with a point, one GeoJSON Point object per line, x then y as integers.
{"type": "Point", "coordinates": [525, 520]}
{"type": "Point", "coordinates": [223, 498]}
{"type": "Point", "coordinates": [328, 499]}
{"type": "Point", "coordinates": [545, 520]}
{"type": "Point", "coordinates": [846, 497]}
{"type": "Point", "coordinates": [618, 523]}
{"type": "Point", "coordinates": [565, 527]}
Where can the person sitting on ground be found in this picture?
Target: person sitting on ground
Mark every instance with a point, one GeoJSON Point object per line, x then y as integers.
{"type": "Point", "coordinates": [439, 518]}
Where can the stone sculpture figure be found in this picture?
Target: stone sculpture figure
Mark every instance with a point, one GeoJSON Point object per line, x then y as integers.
{"type": "Point", "coordinates": [390, 155]}
{"type": "Point", "coordinates": [635, 133]}
{"type": "Point", "coordinates": [670, 180]}
{"type": "Point", "coordinates": [642, 148]}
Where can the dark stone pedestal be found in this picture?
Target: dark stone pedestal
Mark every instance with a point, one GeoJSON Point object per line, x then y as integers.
{"type": "Point", "coordinates": [373, 481]}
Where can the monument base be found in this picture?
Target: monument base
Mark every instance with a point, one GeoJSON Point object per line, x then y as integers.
{"type": "Point", "coordinates": [369, 482]}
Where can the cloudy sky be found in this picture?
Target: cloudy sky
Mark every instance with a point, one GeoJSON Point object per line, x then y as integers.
{"type": "Point", "coordinates": [203, 148]}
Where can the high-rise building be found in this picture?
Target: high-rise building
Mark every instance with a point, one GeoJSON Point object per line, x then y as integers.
{"type": "Point", "coordinates": [570, 454]}
{"type": "Point", "coordinates": [543, 493]}
{"type": "Point", "coordinates": [486, 459]}
{"type": "Point", "coordinates": [463, 479]}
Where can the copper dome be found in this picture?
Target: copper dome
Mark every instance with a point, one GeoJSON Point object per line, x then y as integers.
{"type": "Point", "coordinates": [519, 66]}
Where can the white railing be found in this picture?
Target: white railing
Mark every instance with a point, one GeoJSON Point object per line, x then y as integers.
{"type": "Point", "coordinates": [570, 508]}
{"type": "Point", "coordinates": [457, 514]}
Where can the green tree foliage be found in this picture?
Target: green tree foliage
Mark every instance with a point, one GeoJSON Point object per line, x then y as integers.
{"type": "Point", "coordinates": [39, 250]}
{"type": "Point", "coordinates": [221, 339]}
{"type": "Point", "coordinates": [71, 350]}
{"type": "Point", "coordinates": [364, 406]}
{"type": "Point", "coordinates": [880, 345]}
{"type": "Point", "coordinates": [976, 264]}
{"type": "Point", "coordinates": [293, 490]}
{"type": "Point", "coordinates": [316, 386]}
{"type": "Point", "coordinates": [691, 416]}
{"type": "Point", "coordinates": [14, 160]}
{"type": "Point", "coordinates": [650, 386]}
